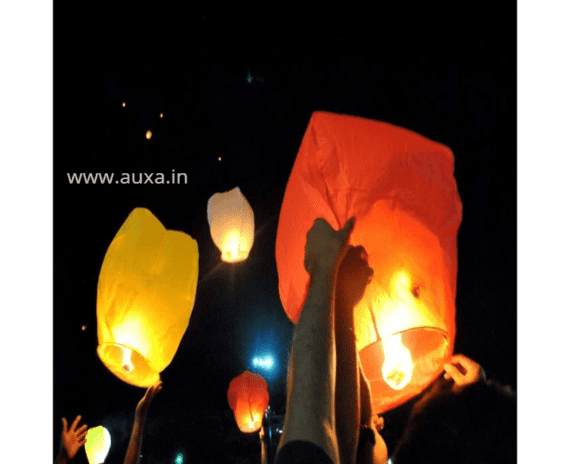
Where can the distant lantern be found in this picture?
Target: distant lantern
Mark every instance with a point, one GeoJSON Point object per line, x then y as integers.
{"type": "Point", "coordinates": [124, 104]}
{"type": "Point", "coordinates": [97, 444]}
{"type": "Point", "coordinates": [145, 296]}
{"type": "Point", "coordinates": [248, 397]}
{"type": "Point", "coordinates": [231, 224]}
{"type": "Point", "coordinates": [400, 188]}
{"type": "Point", "coordinates": [161, 115]}
{"type": "Point", "coordinates": [148, 134]}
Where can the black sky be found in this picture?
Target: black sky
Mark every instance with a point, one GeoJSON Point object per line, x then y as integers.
{"type": "Point", "coordinates": [243, 87]}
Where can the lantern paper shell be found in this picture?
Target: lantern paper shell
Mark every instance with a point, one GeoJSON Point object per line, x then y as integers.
{"type": "Point", "coordinates": [97, 444]}
{"type": "Point", "coordinates": [231, 224]}
{"type": "Point", "coordinates": [248, 397]}
{"type": "Point", "coordinates": [145, 296]}
{"type": "Point", "coordinates": [400, 188]}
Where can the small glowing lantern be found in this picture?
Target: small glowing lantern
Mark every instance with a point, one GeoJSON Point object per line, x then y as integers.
{"type": "Point", "coordinates": [248, 397]}
{"type": "Point", "coordinates": [400, 188]}
{"type": "Point", "coordinates": [124, 104]}
{"type": "Point", "coordinates": [145, 296]}
{"type": "Point", "coordinates": [97, 444]}
{"type": "Point", "coordinates": [148, 134]}
{"type": "Point", "coordinates": [161, 115]}
{"type": "Point", "coordinates": [231, 224]}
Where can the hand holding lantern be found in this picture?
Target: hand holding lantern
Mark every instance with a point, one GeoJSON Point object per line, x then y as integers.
{"type": "Point", "coordinates": [400, 189]}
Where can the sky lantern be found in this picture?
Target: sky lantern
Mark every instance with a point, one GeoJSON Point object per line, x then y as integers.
{"type": "Point", "coordinates": [400, 188]}
{"type": "Point", "coordinates": [148, 134]}
{"type": "Point", "coordinates": [97, 444]}
{"type": "Point", "coordinates": [145, 296]}
{"type": "Point", "coordinates": [248, 397]}
{"type": "Point", "coordinates": [231, 224]}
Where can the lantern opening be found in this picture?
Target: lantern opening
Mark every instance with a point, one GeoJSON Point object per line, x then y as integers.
{"type": "Point", "coordinates": [128, 364]}
{"type": "Point", "coordinates": [388, 365]}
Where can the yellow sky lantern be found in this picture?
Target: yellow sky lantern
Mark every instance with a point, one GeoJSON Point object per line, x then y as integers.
{"type": "Point", "coordinates": [148, 134]}
{"type": "Point", "coordinates": [145, 296]}
{"type": "Point", "coordinates": [97, 444]}
{"type": "Point", "coordinates": [231, 224]}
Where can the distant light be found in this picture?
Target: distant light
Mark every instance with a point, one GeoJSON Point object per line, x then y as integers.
{"type": "Point", "coordinates": [124, 104]}
{"type": "Point", "coordinates": [148, 134]}
{"type": "Point", "coordinates": [219, 158]}
{"type": "Point", "coordinates": [161, 115]}
{"type": "Point", "coordinates": [179, 458]}
{"type": "Point", "coordinates": [266, 363]}
{"type": "Point", "coordinates": [83, 327]}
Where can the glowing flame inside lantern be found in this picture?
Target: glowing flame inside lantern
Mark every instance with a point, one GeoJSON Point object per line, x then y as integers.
{"type": "Point", "coordinates": [127, 363]}
{"type": "Point", "coordinates": [393, 306]}
{"type": "Point", "coordinates": [397, 368]}
{"type": "Point", "coordinates": [232, 251]}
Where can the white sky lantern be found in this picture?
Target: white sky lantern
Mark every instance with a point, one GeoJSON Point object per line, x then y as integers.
{"type": "Point", "coordinates": [231, 224]}
{"type": "Point", "coordinates": [97, 445]}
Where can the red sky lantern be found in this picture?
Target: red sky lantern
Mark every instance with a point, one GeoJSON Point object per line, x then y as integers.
{"type": "Point", "coordinates": [248, 397]}
{"type": "Point", "coordinates": [400, 188]}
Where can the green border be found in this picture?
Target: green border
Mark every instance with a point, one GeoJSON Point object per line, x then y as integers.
{"type": "Point", "coordinates": [544, 106]}
{"type": "Point", "coordinates": [25, 157]}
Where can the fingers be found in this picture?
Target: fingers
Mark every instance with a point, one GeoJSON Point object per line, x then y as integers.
{"type": "Point", "coordinates": [347, 229]}
{"type": "Point", "coordinates": [75, 422]}
{"type": "Point", "coordinates": [81, 430]}
{"type": "Point", "coordinates": [454, 373]}
{"type": "Point", "coordinates": [64, 421]}
{"type": "Point", "coordinates": [82, 438]}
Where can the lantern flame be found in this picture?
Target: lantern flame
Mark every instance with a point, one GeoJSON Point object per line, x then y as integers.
{"type": "Point", "coordinates": [128, 365]}
{"type": "Point", "coordinates": [398, 366]}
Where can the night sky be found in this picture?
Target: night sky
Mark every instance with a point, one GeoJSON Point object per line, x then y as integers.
{"type": "Point", "coordinates": [242, 88]}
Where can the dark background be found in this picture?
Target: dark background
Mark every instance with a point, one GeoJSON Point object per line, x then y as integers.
{"type": "Point", "coordinates": [243, 87]}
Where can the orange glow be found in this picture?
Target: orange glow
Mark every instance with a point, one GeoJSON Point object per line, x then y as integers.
{"type": "Point", "coordinates": [400, 188]}
{"type": "Point", "coordinates": [161, 115]}
{"type": "Point", "coordinates": [124, 104]}
{"type": "Point", "coordinates": [148, 134]}
{"type": "Point", "coordinates": [248, 397]}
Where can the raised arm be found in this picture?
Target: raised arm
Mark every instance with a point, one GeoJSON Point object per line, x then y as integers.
{"type": "Point", "coordinates": [72, 439]}
{"type": "Point", "coordinates": [310, 414]}
{"type": "Point", "coordinates": [135, 442]}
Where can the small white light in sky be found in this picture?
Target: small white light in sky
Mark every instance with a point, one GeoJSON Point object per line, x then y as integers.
{"type": "Point", "coordinates": [124, 104]}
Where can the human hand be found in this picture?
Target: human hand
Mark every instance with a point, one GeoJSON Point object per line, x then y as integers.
{"type": "Point", "coordinates": [353, 276]}
{"type": "Point", "coordinates": [144, 403]}
{"type": "Point", "coordinates": [73, 438]}
{"type": "Point", "coordinates": [325, 246]}
{"type": "Point", "coordinates": [463, 371]}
